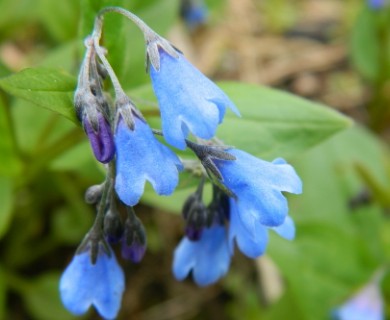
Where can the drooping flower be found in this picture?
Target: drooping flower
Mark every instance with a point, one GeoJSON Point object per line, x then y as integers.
{"type": "Point", "coordinates": [253, 242]}
{"type": "Point", "coordinates": [257, 186]}
{"type": "Point", "coordinates": [101, 285]}
{"type": "Point", "coordinates": [140, 158]}
{"type": "Point", "coordinates": [367, 304]}
{"type": "Point", "coordinates": [208, 258]}
{"type": "Point", "coordinates": [189, 101]}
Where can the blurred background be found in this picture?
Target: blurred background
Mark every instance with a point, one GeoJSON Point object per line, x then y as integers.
{"type": "Point", "coordinates": [336, 52]}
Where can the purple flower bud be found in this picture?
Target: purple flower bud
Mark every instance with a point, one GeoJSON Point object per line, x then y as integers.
{"type": "Point", "coordinates": [134, 240]}
{"type": "Point", "coordinates": [193, 233]}
{"type": "Point", "coordinates": [101, 139]}
{"type": "Point", "coordinates": [134, 253]}
{"type": "Point", "coordinates": [113, 228]}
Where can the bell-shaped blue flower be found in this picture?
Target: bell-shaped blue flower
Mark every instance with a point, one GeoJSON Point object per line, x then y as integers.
{"type": "Point", "coordinates": [257, 186]}
{"type": "Point", "coordinates": [253, 242]}
{"type": "Point", "coordinates": [208, 258]}
{"type": "Point", "coordinates": [189, 101]}
{"type": "Point", "coordinates": [140, 158]}
{"type": "Point", "coordinates": [101, 285]}
{"type": "Point", "coordinates": [365, 305]}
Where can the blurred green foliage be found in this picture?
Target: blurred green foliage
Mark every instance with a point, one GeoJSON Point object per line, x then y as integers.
{"type": "Point", "coordinates": [46, 163]}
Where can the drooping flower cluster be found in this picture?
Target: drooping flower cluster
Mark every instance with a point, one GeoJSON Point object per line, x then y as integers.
{"type": "Point", "coordinates": [247, 191]}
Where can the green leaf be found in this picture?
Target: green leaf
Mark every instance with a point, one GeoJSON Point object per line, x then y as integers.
{"type": "Point", "coordinates": [10, 163]}
{"type": "Point", "coordinates": [275, 123]}
{"type": "Point", "coordinates": [43, 301]}
{"type": "Point", "coordinates": [6, 200]}
{"type": "Point", "coordinates": [48, 88]}
{"type": "Point", "coordinates": [337, 249]}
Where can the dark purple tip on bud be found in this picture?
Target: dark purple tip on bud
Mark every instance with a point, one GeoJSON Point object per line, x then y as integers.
{"type": "Point", "coordinates": [134, 240]}
{"type": "Point", "coordinates": [113, 227]}
{"type": "Point", "coordinates": [134, 253]}
{"type": "Point", "coordinates": [193, 233]}
{"type": "Point", "coordinates": [101, 140]}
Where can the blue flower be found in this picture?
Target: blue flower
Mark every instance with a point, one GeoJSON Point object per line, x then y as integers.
{"type": "Point", "coordinates": [208, 258]}
{"type": "Point", "coordinates": [253, 242]}
{"type": "Point", "coordinates": [365, 305]}
{"type": "Point", "coordinates": [141, 157]}
{"type": "Point", "coordinates": [188, 100]}
{"type": "Point", "coordinates": [257, 186]}
{"type": "Point", "coordinates": [101, 284]}
{"type": "Point", "coordinates": [376, 4]}
{"type": "Point", "coordinates": [194, 13]}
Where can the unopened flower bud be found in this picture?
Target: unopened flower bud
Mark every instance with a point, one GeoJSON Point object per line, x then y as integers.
{"type": "Point", "coordinates": [195, 214]}
{"type": "Point", "coordinates": [193, 233]}
{"type": "Point", "coordinates": [134, 240]}
{"type": "Point", "coordinates": [113, 227]}
{"type": "Point", "coordinates": [93, 194]}
{"type": "Point", "coordinates": [101, 140]}
{"type": "Point", "coordinates": [219, 208]}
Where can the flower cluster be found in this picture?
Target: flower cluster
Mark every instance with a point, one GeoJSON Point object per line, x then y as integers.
{"type": "Point", "coordinates": [247, 191]}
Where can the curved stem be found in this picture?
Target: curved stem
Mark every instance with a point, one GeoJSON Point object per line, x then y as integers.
{"type": "Point", "coordinates": [114, 79]}
{"type": "Point", "coordinates": [137, 21]}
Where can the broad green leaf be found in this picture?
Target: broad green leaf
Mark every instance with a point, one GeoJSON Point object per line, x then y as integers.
{"type": "Point", "coordinates": [48, 88]}
{"type": "Point", "coordinates": [43, 300]}
{"type": "Point", "coordinates": [337, 249]}
{"type": "Point", "coordinates": [6, 201]}
{"type": "Point", "coordinates": [275, 123]}
{"type": "Point", "coordinates": [10, 163]}
{"type": "Point", "coordinates": [46, 129]}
